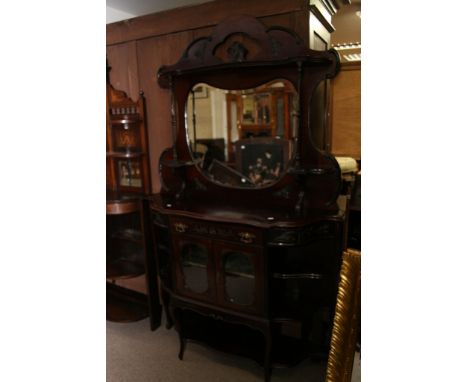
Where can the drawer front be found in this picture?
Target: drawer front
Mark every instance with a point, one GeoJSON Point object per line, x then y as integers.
{"type": "Point", "coordinates": [301, 236]}
{"type": "Point", "coordinates": [220, 231]}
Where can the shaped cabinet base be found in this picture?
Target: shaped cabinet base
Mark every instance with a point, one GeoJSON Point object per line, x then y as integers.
{"type": "Point", "coordinates": [264, 291]}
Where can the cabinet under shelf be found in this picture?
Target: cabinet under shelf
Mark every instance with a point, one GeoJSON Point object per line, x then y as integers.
{"type": "Point", "coordinates": [241, 340]}
{"type": "Point", "coordinates": [125, 305]}
{"type": "Point", "coordinates": [128, 234]}
{"type": "Point", "coordinates": [125, 154]}
{"type": "Point", "coordinates": [124, 269]}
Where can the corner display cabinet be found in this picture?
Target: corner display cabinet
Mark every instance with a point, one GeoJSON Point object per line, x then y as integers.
{"type": "Point", "coordinates": [248, 231]}
{"type": "Point", "coordinates": [128, 244]}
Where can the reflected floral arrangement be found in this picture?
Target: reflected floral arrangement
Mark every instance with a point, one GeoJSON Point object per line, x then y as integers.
{"type": "Point", "coordinates": [265, 169]}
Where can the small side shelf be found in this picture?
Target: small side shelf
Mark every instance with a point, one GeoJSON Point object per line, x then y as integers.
{"type": "Point", "coordinates": [127, 159]}
{"type": "Point", "coordinates": [121, 206]}
{"type": "Point", "coordinates": [129, 244]}
{"type": "Point", "coordinates": [125, 259]}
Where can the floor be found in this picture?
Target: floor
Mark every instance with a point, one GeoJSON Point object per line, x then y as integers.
{"type": "Point", "coordinates": [136, 354]}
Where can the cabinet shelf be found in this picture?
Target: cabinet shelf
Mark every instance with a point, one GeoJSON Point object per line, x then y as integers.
{"type": "Point", "coordinates": [124, 269]}
{"type": "Point", "coordinates": [124, 305]}
{"type": "Point", "coordinates": [309, 276]}
{"type": "Point", "coordinates": [130, 154]}
{"type": "Point", "coordinates": [223, 336]}
{"type": "Point", "coordinates": [241, 340]}
{"type": "Point", "coordinates": [193, 264]}
{"type": "Point", "coordinates": [128, 234]}
{"type": "Point", "coordinates": [240, 274]}
{"type": "Point", "coordinates": [125, 120]}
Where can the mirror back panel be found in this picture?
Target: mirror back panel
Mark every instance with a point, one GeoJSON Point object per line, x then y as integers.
{"type": "Point", "coordinates": [240, 119]}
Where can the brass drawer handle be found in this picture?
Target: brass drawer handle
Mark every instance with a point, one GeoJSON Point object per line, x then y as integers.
{"type": "Point", "coordinates": [216, 317]}
{"type": "Point", "coordinates": [180, 227]}
{"type": "Point", "coordinates": [246, 237]}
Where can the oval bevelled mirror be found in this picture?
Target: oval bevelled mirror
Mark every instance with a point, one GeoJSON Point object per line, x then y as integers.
{"type": "Point", "coordinates": [242, 138]}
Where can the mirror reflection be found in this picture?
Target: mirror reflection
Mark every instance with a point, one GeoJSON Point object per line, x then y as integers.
{"type": "Point", "coordinates": [242, 138]}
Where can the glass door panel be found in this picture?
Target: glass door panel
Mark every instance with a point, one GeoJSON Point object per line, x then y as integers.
{"type": "Point", "coordinates": [194, 261]}
{"type": "Point", "coordinates": [239, 278]}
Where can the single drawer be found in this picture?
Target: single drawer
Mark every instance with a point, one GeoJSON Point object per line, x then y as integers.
{"type": "Point", "coordinates": [214, 230]}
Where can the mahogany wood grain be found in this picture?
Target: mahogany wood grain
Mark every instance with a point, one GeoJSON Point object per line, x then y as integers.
{"type": "Point", "coordinates": [124, 73]}
{"type": "Point", "coordinates": [153, 53]}
{"type": "Point", "coordinates": [117, 207]}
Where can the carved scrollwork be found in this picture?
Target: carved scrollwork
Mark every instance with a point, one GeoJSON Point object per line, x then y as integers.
{"type": "Point", "coordinates": [275, 43]}
{"type": "Point", "coordinates": [237, 52]}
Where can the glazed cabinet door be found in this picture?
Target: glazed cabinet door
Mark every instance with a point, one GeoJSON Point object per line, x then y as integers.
{"type": "Point", "coordinates": [194, 267]}
{"type": "Point", "coordinates": [240, 277]}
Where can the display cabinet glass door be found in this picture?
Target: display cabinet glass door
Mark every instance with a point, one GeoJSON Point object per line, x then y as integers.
{"type": "Point", "coordinates": [240, 284]}
{"type": "Point", "coordinates": [195, 271]}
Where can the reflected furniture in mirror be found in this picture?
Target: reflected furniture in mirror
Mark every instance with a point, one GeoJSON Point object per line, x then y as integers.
{"type": "Point", "coordinates": [224, 125]}
{"type": "Point", "coordinates": [248, 231]}
{"type": "Point", "coordinates": [128, 245]}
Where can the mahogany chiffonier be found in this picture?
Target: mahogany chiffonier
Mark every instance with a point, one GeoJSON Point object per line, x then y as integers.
{"type": "Point", "coordinates": [248, 231]}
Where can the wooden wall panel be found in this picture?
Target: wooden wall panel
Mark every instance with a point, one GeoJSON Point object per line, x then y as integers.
{"type": "Point", "coordinates": [197, 16]}
{"type": "Point", "coordinates": [346, 111]}
{"type": "Point", "coordinates": [122, 59]}
{"type": "Point", "coordinates": [152, 54]}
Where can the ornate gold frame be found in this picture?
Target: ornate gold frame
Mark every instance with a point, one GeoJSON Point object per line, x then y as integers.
{"type": "Point", "coordinates": [348, 304]}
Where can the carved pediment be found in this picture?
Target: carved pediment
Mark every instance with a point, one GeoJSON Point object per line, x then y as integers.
{"type": "Point", "coordinates": [243, 39]}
